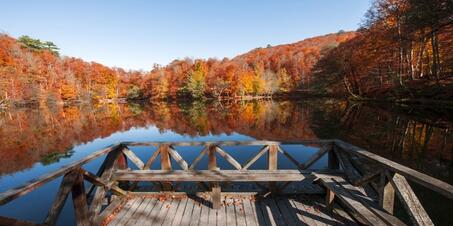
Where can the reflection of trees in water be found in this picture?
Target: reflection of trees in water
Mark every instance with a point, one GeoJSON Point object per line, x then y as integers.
{"type": "Point", "coordinates": [409, 136]}
{"type": "Point", "coordinates": [32, 135]}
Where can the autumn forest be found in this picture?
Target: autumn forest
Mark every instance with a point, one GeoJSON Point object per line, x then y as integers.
{"type": "Point", "coordinates": [403, 50]}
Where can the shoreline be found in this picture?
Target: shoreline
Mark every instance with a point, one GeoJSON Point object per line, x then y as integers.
{"type": "Point", "coordinates": [421, 102]}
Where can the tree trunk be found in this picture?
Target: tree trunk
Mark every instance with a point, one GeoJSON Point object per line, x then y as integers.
{"type": "Point", "coordinates": [435, 48]}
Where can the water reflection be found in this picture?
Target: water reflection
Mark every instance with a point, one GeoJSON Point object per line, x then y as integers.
{"type": "Point", "coordinates": [417, 138]}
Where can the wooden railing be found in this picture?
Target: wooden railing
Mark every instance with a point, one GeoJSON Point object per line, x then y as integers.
{"type": "Point", "coordinates": [387, 178]}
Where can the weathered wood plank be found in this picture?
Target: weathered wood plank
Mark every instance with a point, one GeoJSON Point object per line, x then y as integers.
{"type": "Point", "coordinates": [179, 212]}
{"type": "Point", "coordinates": [100, 182]}
{"type": "Point", "coordinates": [130, 212]}
{"type": "Point", "coordinates": [212, 218]}
{"type": "Point", "coordinates": [152, 216]}
{"type": "Point", "coordinates": [410, 201]}
{"type": "Point", "coordinates": [386, 194]}
{"type": "Point", "coordinates": [141, 210]}
{"type": "Point", "coordinates": [250, 215]}
{"type": "Point", "coordinates": [185, 221]}
{"type": "Point", "coordinates": [165, 164]}
{"type": "Point", "coordinates": [332, 161]}
{"type": "Point", "coordinates": [274, 211]}
{"type": "Point", "coordinates": [117, 203]}
{"type": "Point", "coordinates": [80, 202]}
{"type": "Point", "coordinates": [215, 187]}
{"type": "Point", "coordinates": [198, 158]}
{"type": "Point", "coordinates": [330, 196]}
{"type": "Point", "coordinates": [368, 202]}
{"type": "Point", "coordinates": [99, 195]}
{"type": "Point", "coordinates": [240, 212]}
{"type": "Point", "coordinates": [265, 212]}
{"type": "Point", "coordinates": [301, 209]}
{"type": "Point", "coordinates": [166, 205]}
{"type": "Point", "coordinates": [286, 212]}
{"type": "Point", "coordinates": [124, 210]}
{"type": "Point", "coordinates": [178, 158]}
{"type": "Point", "coordinates": [221, 216]}
{"type": "Point", "coordinates": [131, 156]}
{"type": "Point", "coordinates": [204, 215]}
{"type": "Point", "coordinates": [351, 173]}
{"type": "Point", "coordinates": [366, 216]}
{"type": "Point", "coordinates": [145, 218]}
{"type": "Point", "coordinates": [272, 162]}
{"type": "Point", "coordinates": [14, 193]}
{"type": "Point", "coordinates": [314, 158]}
{"type": "Point", "coordinates": [230, 143]}
{"type": "Point", "coordinates": [152, 159]}
{"type": "Point", "coordinates": [290, 157]}
{"type": "Point", "coordinates": [431, 183]}
{"type": "Point", "coordinates": [230, 212]}
{"type": "Point", "coordinates": [15, 222]}
{"type": "Point", "coordinates": [196, 213]}
{"type": "Point", "coordinates": [262, 151]}
{"type": "Point", "coordinates": [228, 158]}
{"type": "Point", "coordinates": [62, 194]}
{"type": "Point", "coordinates": [210, 175]}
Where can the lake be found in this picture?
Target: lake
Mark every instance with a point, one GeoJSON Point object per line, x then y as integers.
{"type": "Point", "coordinates": [34, 141]}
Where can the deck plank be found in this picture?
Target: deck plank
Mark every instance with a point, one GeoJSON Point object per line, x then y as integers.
{"type": "Point", "coordinates": [170, 217]}
{"type": "Point", "coordinates": [205, 210]}
{"type": "Point", "coordinates": [212, 218]}
{"type": "Point", "coordinates": [221, 215]}
{"type": "Point", "coordinates": [130, 212]}
{"type": "Point", "coordinates": [267, 213]}
{"type": "Point", "coordinates": [230, 212]}
{"type": "Point", "coordinates": [139, 212]}
{"type": "Point", "coordinates": [250, 216]}
{"type": "Point", "coordinates": [288, 216]}
{"type": "Point", "coordinates": [154, 212]}
{"type": "Point", "coordinates": [196, 213]}
{"type": "Point", "coordinates": [240, 213]}
{"type": "Point", "coordinates": [149, 208]}
{"type": "Point", "coordinates": [185, 221]}
{"type": "Point", "coordinates": [166, 205]}
{"type": "Point", "coordinates": [123, 211]}
{"type": "Point", "coordinates": [260, 220]}
{"type": "Point", "coordinates": [236, 209]}
{"type": "Point", "coordinates": [179, 212]}
{"type": "Point", "coordinates": [302, 211]}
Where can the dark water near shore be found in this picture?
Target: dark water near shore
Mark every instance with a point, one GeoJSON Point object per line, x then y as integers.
{"type": "Point", "coordinates": [36, 141]}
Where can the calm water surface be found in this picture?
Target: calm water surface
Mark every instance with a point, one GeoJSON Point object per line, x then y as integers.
{"type": "Point", "coordinates": [36, 141]}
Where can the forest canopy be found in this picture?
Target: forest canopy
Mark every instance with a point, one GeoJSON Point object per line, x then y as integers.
{"type": "Point", "coordinates": [404, 49]}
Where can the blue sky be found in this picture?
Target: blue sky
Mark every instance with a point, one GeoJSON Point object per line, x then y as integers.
{"type": "Point", "coordinates": [136, 34]}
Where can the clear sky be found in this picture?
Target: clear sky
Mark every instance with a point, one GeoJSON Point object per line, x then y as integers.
{"type": "Point", "coordinates": [137, 33]}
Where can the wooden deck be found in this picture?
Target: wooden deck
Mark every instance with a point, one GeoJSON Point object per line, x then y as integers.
{"type": "Point", "coordinates": [235, 210]}
{"type": "Point", "coordinates": [364, 184]}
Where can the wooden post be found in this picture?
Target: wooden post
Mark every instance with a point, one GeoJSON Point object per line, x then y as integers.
{"type": "Point", "coordinates": [333, 162]}
{"type": "Point", "coordinates": [272, 165]}
{"type": "Point", "coordinates": [215, 186]}
{"type": "Point", "coordinates": [99, 196]}
{"type": "Point", "coordinates": [386, 194]}
{"type": "Point", "coordinates": [330, 196]}
{"type": "Point", "coordinates": [63, 192]}
{"type": "Point", "coordinates": [409, 200]}
{"type": "Point", "coordinates": [165, 163]}
{"type": "Point", "coordinates": [80, 202]}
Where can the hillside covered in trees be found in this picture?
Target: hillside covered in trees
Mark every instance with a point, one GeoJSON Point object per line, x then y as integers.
{"type": "Point", "coordinates": [404, 49]}
{"type": "Point", "coordinates": [33, 72]}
